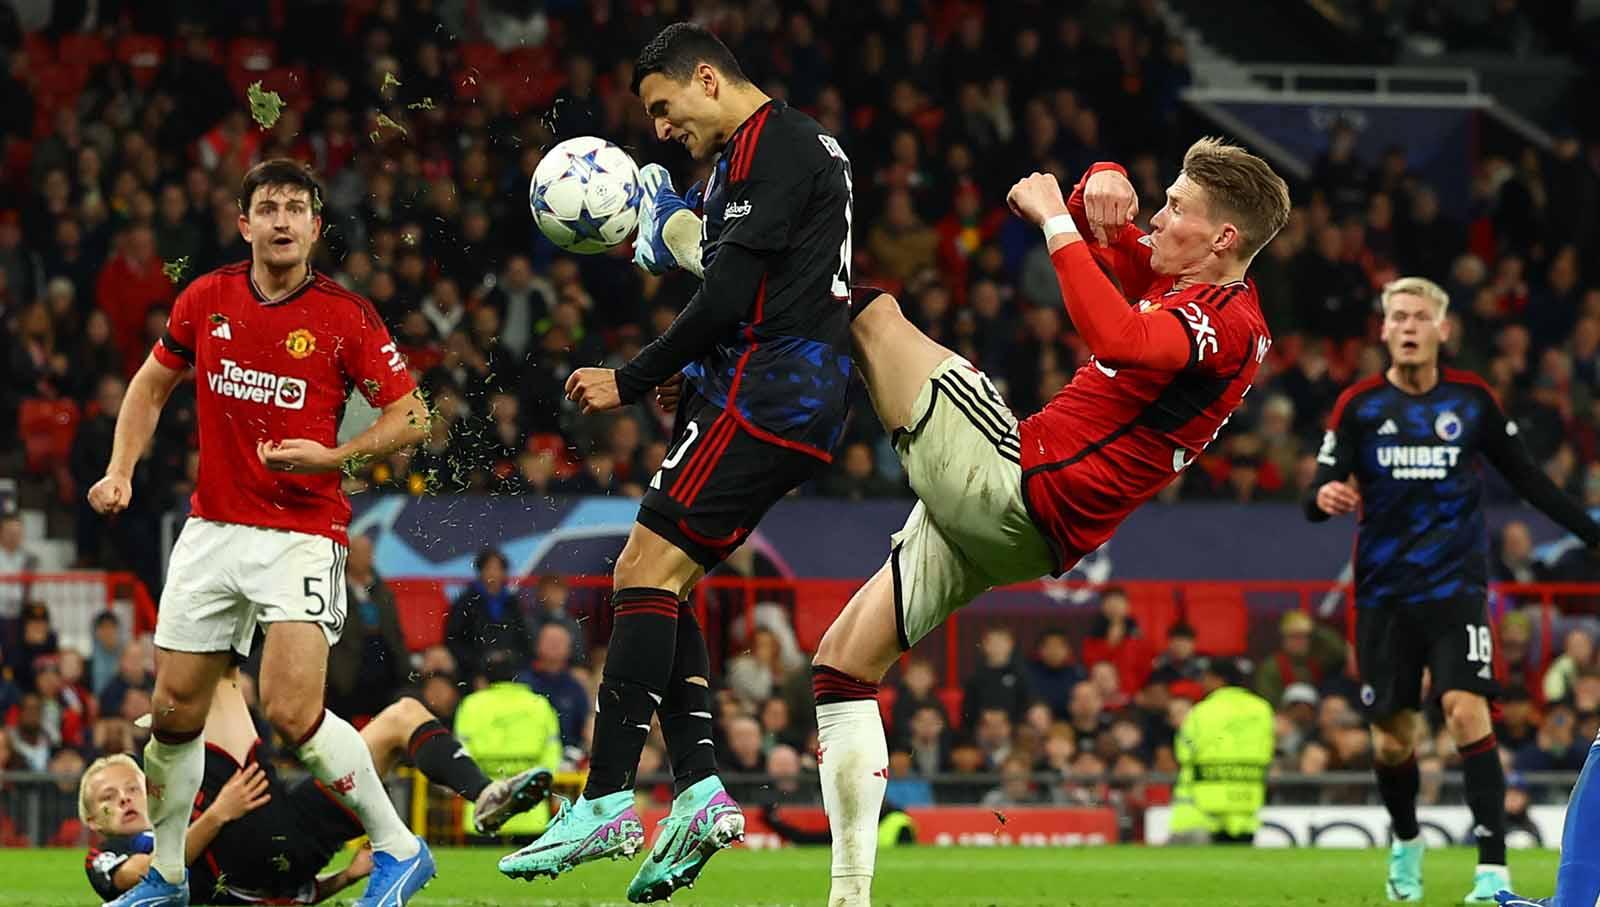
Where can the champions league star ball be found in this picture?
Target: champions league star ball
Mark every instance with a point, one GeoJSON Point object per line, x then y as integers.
{"type": "Point", "coordinates": [585, 195]}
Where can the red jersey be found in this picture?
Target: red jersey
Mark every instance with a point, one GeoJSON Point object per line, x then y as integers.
{"type": "Point", "coordinates": [271, 371]}
{"type": "Point", "coordinates": [1149, 401]}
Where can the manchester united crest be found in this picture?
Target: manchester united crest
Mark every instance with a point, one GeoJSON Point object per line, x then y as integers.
{"type": "Point", "coordinates": [301, 343]}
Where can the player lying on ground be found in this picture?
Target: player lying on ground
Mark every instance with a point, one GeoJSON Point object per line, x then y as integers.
{"type": "Point", "coordinates": [765, 342]}
{"type": "Point", "coordinates": [1410, 439]}
{"type": "Point", "coordinates": [999, 502]}
{"type": "Point", "coordinates": [276, 350]}
{"type": "Point", "coordinates": [253, 838]}
{"type": "Point", "coordinates": [1578, 879]}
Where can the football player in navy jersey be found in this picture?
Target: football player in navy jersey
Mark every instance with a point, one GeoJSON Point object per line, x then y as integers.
{"type": "Point", "coordinates": [761, 354]}
{"type": "Point", "coordinates": [1402, 451]}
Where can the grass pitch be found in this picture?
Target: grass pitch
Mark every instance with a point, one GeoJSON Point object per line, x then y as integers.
{"type": "Point", "coordinates": [1087, 877]}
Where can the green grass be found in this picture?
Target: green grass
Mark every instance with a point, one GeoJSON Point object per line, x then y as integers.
{"type": "Point", "coordinates": [1088, 877]}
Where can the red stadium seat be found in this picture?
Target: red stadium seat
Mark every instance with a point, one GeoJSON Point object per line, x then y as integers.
{"type": "Point", "coordinates": [143, 55]}
{"type": "Point", "coordinates": [887, 694]}
{"type": "Point", "coordinates": [47, 428]}
{"type": "Point", "coordinates": [816, 604]}
{"type": "Point", "coordinates": [951, 697]}
{"type": "Point", "coordinates": [485, 58]}
{"type": "Point", "coordinates": [38, 48]}
{"type": "Point", "coordinates": [252, 54]}
{"type": "Point", "coordinates": [1155, 609]}
{"type": "Point", "coordinates": [1219, 616]}
{"type": "Point", "coordinates": [85, 48]}
{"type": "Point", "coordinates": [422, 607]}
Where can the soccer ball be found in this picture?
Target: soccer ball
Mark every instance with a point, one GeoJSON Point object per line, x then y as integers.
{"type": "Point", "coordinates": [585, 195]}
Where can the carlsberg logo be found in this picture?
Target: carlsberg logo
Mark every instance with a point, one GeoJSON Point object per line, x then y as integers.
{"type": "Point", "coordinates": [255, 386]}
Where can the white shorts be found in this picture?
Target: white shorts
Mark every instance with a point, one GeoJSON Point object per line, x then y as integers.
{"type": "Point", "coordinates": [970, 530]}
{"type": "Point", "coordinates": [225, 578]}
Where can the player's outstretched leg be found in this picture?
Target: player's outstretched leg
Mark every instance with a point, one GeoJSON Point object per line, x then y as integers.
{"type": "Point", "coordinates": [1467, 716]}
{"type": "Point", "coordinates": [406, 726]}
{"type": "Point", "coordinates": [704, 819]}
{"type": "Point", "coordinates": [852, 751]}
{"type": "Point", "coordinates": [1395, 766]}
{"type": "Point", "coordinates": [293, 676]}
{"type": "Point", "coordinates": [1578, 879]}
{"type": "Point", "coordinates": [895, 359]}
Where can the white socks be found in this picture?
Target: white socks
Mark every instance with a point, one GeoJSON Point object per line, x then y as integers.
{"type": "Point", "coordinates": [339, 758]}
{"type": "Point", "coordinates": [172, 776]}
{"type": "Point", "coordinates": [853, 759]}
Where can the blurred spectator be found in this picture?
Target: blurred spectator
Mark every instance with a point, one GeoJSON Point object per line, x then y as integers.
{"type": "Point", "coordinates": [15, 559]}
{"type": "Point", "coordinates": [105, 654]}
{"type": "Point", "coordinates": [370, 662]}
{"type": "Point", "coordinates": [1178, 664]}
{"type": "Point", "coordinates": [130, 285]}
{"type": "Point", "coordinates": [487, 615]}
{"type": "Point", "coordinates": [1516, 653]}
{"type": "Point", "coordinates": [1308, 654]}
{"type": "Point", "coordinates": [1516, 723]}
{"type": "Point", "coordinates": [63, 715]}
{"type": "Point", "coordinates": [135, 671]}
{"type": "Point", "coordinates": [855, 476]}
{"type": "Point", "coordinates": [551, 677]}
{"type": "Point", "coordinates": [755, 674]}
{"type": "Point", "coordinates": [927, 739]}
{"type": "Point", "coordinates": [743, 753]}
{"type": "Point", "coordinates": [913, 692]}
{"type": "Point", "coordinates": [1577, 656]}
{"type": "Point", "coordinates": [1053, 672]}
{"type": "Point", "coordinates": [550, 607]}
{"type": "Point", "coordinates": [36, 640]}
{"type": "Point", "coordinates": [1016, 785]}
{"type": "Point", "coordinates": [999, 682]}
{"type": "Point", "coordinates": [1113, 630]}
{"type": "Point", "coordinates": [29, 739]}
{"type": "Point", "coordinates": [992, 733]}
{"type": "Point", "coordinates": [1513, 560]}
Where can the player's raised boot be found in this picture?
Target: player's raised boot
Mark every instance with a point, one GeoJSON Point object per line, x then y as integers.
{"type": "Point", "coordinates": [1507, 899]}
{"type": "Point", "coordinates": [509, 797]}
{"type": "Point", "coordinates": [395, 882]}
{"type": "Point", "coordinates": [154, 891]}
{"type": "Point", "coordinates": [1405, 870]}
{"type": "Point", "coordinates": [704, 820]}
{"type": "Point", "coordinates": [586, 830]}
{"type": "Point", "coordinates": [1487, 882]}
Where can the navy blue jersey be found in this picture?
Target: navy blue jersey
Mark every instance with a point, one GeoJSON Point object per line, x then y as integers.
{"type": "Point", "coordinates": [1416, 462]}
{"type": "Point", "coordinates": [781, 189]}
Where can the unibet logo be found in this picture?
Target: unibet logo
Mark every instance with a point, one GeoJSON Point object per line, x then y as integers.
{"type": "Point", "coordinates": [1419, 461]}
{"type": "Point", "coordinates": [254, 386]}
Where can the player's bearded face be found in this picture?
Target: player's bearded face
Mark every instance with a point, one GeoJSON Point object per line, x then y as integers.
{"type": "Point", "coordinates": [281, 226]}
{"type": "Point", "coordinates": [1413, 330]}
{"type": "Point", "coordinates": [117, 801]}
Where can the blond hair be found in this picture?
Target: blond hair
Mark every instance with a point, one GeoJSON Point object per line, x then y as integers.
{"type": "Point", "coordinates": [85, 810]}
{"type": "Point", "coordinates": [1240, 188]}
{"type": "Point", "coordinates": [1417, 286]}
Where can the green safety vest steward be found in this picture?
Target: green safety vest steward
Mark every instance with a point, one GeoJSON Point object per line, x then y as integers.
{"type": "Point", "coordinates": [507, 727]}
{"type": "Point", "coordinates": [1223, 750]}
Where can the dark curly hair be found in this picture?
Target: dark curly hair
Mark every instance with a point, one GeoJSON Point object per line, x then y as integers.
{"type": "Point", "coordinates": [679, 48]}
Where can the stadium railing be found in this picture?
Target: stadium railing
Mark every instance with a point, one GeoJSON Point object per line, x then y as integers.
{"type": "Point", "coordinates": [76, 597]}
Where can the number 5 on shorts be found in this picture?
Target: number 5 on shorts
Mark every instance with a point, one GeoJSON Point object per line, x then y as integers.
{"type": "Point", "coordinates": [322, 603]}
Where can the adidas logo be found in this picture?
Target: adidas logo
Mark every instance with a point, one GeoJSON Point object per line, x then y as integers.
{"type": "Point", "coordinates": [222, 331]}
{"type": "Point", "coordinates": [1484, 673]}
{"type": "Point", "coordinates": [1387, 428]}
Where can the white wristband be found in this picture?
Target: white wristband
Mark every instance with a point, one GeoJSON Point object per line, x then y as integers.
{"type": "Point", "coordinates": [1061, 223]}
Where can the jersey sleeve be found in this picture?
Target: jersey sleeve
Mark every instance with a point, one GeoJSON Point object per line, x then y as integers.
{"type": "Point", "coordinates": [1127, 256]}
{"type": "Point", "coordinates": [102, 862]}
{"type": "Point", "coordinates": [1336, 459]}
{"type": "Point", "coordinates": [373, 361]}
{"type": "Point", "coordinates": [175, 349]}
{"type": "Point", "coordinates": [1503, 448]}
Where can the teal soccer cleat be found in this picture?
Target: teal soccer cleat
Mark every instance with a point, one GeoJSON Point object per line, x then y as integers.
{"type": "Point", "coordinates": [1405, 871]}
{"type": "Point", "coordinates": [586, 830]}
{"type": "Point", "coordinates": [704, 820]}
{"type": "Point", "coordinates": [1487, 883]}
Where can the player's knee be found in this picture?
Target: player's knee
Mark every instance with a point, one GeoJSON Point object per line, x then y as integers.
{"type": "Point", "coordinates": [1466, 715]}
{"type": "Point", "coordinates": [406, 714]}
{"type": "Point", "coordinates": [291, 717]}
{"type": "Point", "coordinates": [879, 316]}
{"type": "Point", "coordinates": [1389, 749]}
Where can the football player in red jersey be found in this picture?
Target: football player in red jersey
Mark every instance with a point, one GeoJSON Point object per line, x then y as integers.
{"type": "Point", "coordinates": [1176, 335]}
{"type": "Point", "coordinates": [276, 350]}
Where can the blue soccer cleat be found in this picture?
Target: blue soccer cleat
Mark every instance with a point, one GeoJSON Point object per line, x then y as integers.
{"type": "Point", "coordinates": [607, 828]}
{"type": "Point", "coordinates": [395, 882]}
{"type": "Point", "coordinates": [1405, 871]}
{"type": "Point", "coordinates": [154, 891]}
{"type": "Point", "coordinates": [1507, 899]}
{"type": "Point", "coordinates": [704, 820]}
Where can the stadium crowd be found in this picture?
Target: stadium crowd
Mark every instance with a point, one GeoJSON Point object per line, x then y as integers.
{"type": "Point", "coordinates": [122, 156]}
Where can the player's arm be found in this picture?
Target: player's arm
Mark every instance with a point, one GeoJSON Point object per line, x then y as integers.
{"type": "Point", "coordinates": [1510, 456]}
{"type": "Point", "coordinates": [1331, 493]}
{"type": "Point", "coordinates": [1103, 205]}
{"type": "Point", "coordinates": [136, 423]}
{"type": "Point", "coordinates": [1116, 333]}
{"type": "Point", "coordinates": [401, 423]}
{"type": "Point", "coordinates": [334, 882]}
